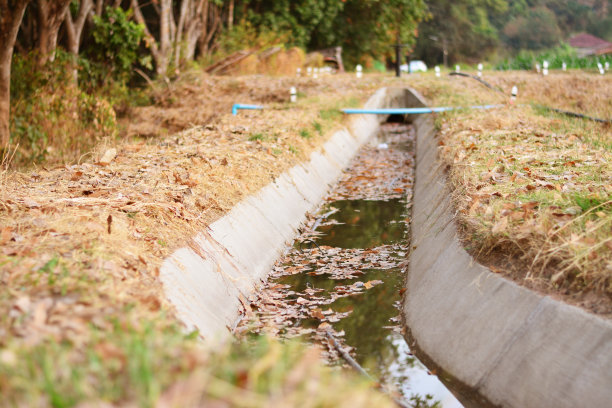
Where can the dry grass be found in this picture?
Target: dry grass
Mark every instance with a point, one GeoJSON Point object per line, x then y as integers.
{"type": "Point", "coordinates": [534, 189]}
{"type": "Point", "coordinates": [82, 314]}
{"type": "Point", "coordinates": [81, 244]}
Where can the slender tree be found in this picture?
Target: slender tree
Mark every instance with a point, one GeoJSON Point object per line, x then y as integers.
{"type": "Point", "coordinates": [75, 25]}
{"type": "Point", "coordinates": [187, 30]}
{"type": "Point", "coordinates": [161, 49]}
{"type": "Point", "coordinates": [74, 29]}
{"type": "Point", "coordinates": [11, 14]}
{"type": "Point", "coordinates": [210, 25]}
{"type": "Point", "coordinates": [50, 15]}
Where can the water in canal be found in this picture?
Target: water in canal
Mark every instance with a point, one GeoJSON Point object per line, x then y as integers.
{"type": "Point", "coordinates": [345, 272]}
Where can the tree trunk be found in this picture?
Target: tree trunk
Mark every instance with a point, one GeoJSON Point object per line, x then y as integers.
{"type": "Point", "coordinates": [74, 30]}
{"type": "Point", "coordinates": [178, 37]}
{"type": "Point", "coordinates": [50, 16]}
{"type": "Point", "coordinates": [11, 13]}
{"type": "Point", "coordinates": [165, 45]}
{"type": "Point", "coordinates": [74, 27]}
{"type": "Point", "coordinates": [230, 15]}
{"type": "Point", "coordinates": [211, 22]}
{"type": "Point", "coordinates": [203, 31]}
{"type": "Point", "coordinates": [162, 50]}
{"type": "Point", "coordinates": [195, 26]}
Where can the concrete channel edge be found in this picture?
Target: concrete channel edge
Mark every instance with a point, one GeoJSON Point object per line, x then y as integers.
{"type": "Point", "coordinates": [208, 280]}
{"type": "Point", "coordinates": [513, 346]}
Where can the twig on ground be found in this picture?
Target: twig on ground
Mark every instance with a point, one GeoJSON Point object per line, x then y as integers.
{"type": "Point", "coordinates": [574, 114]}
{"type": "Point", "coordinates": [351, 361]}
{"type": "Point", "coordinates": [485, 83]}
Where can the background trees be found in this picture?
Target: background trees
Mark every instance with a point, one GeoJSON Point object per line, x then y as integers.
{"type": "Point", "coordinates": [462, 28]}
{"type": "Point", "coordinates": [107, 41]}
{"type": "Point", "coordinates": [103, 42]}
{"type": "Point", "coordinates": [473, 30]}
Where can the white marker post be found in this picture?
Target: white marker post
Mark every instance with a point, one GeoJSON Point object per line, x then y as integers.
{"type": "Point", "coordinates": [538, 67]}
{"type": "Point", "coordinates": [309, 71]}
{"type": "Point", "coordinates": [607, 66]}
{"type": "Point", "coordinates": [545, 68]}
{"type": "Point", "coordinates": [293, 93]}
{"type": "Point", "coordinates": [601, 69]}
{"type": "Point", "coordinates": [479, 70]}
{"type": "Point", "coordinates": [564, 66]}
{"type": "Point", "coordinates": [514, 94]}
{"type": "Point", "coordinates": [315, 73]}
{"type": "Point", "coordinates": [457, 68]}
{"type": "Point", "coordinates": [359, 71]}
{"type": "Point", "coordinates": [437, 69]}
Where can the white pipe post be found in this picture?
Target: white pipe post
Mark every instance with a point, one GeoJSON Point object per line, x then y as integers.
{"type": "Point", "coordinates": [564, 66]}
{"type": "Point", "coordinates": [359, 71]}
{"type": "Point", "coordinates": [437, 69]}
{"type": "Point", "coordinates": [480, 70]}
{"type": "Point", "coordinates": [607, 66]}
{"type": "Point", "coordinates": [293, 93]}
{"type": "Point", "coordinates": [315, 73]}
{"type": "Point", "coordinates": [457, 68]}
{"type": "Point", "coordinates": [545, 68]}
{"type": "Point", "coordinates": [538, 67]}
{"type": "Point", "coordinates": [309, 71]}
{"type": "Point", "coordinates": [514, 94]}
{"type": "Point", "coordinates": [600, 67]}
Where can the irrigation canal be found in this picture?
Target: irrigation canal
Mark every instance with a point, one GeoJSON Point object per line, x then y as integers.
{"type": "Point", "coordinates": [344, 274]}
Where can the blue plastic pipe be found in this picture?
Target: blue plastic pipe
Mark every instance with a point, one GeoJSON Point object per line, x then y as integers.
{"type": "Point", "coordinates": [405, 111]}
{"type": "Point", "coordinates": [243, 106]}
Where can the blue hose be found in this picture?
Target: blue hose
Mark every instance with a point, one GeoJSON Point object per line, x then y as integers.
{"type": "Point", "coordinates": [243, 106]}
{"type": "Point", "coordinates": [405, 111]}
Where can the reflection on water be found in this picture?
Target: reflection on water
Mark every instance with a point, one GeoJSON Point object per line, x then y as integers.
{"type": "Point", "coordinates": [364, 224]}
{"type": "Point", "coordinates": [373, 328]}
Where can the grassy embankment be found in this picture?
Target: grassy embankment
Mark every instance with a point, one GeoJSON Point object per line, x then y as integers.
{"type": "Point", "coordinates": [83, 316]}
{"type": "Point", "coordinates": [534, 188]}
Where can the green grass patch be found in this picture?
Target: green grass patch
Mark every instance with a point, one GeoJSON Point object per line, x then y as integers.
{"type": "Point", "coordinates": [257, 136]}
{"type": "Point", "coordinates": [591, 202]}
{"type": "Point", "coordinates": [330, 114]}
{"type": "Point", "coordinates": [305, 134]}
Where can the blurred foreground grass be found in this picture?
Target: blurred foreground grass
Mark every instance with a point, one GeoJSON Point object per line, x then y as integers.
{"type": "Point", "coordinates": [149, 364]}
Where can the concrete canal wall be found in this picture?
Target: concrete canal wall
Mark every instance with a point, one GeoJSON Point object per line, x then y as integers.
{"type": "Point", "coordinates": [515, 347]}
{"type": "Point", "coordinates": [208, 280]}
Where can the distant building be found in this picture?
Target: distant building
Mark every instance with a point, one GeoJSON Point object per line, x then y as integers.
{"type": "Point", "coordinates": [587, 44]}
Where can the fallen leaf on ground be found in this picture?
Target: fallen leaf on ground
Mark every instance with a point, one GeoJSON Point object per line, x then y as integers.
{"type": "Point", "coordinates": [108, 157]}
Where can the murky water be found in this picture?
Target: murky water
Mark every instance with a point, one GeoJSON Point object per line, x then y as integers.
{"type": "Point", "coordinates": [349, 272]}
{"type": "Point", "coordinates": [372, 326]}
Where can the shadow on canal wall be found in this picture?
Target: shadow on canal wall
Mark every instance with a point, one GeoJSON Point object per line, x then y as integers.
{"type": "Point", "coordinates": [515, 347]}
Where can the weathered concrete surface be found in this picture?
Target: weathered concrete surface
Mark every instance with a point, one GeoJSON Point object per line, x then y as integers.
{"type": "Point", "coordinates": [208, 280]}
{"type": "Point", "coordinates": [515, 347]}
